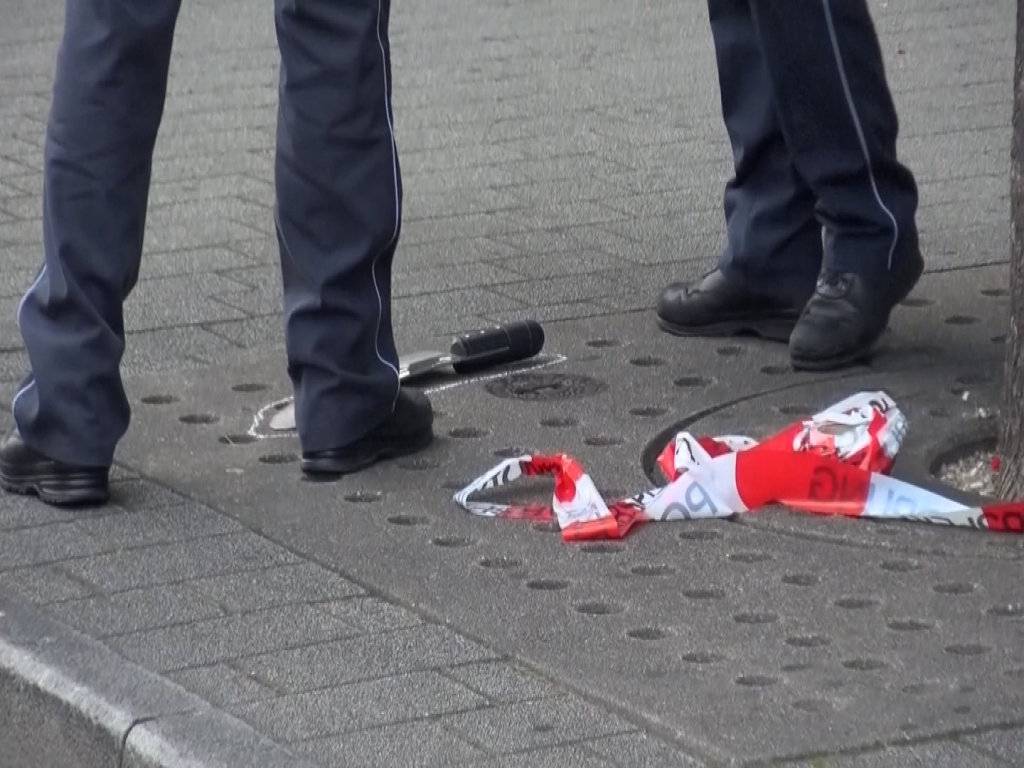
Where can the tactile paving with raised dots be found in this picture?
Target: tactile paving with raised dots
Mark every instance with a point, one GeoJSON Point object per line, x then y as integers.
{"type": "Point", "coordinates": [814, 634]}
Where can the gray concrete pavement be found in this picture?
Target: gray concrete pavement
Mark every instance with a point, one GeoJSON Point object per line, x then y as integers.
{"type": "Point", "coordinates": [562, 161]}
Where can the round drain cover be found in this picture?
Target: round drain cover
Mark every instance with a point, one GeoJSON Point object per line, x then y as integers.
{"type": "Point", "coordinates": [545, 386]}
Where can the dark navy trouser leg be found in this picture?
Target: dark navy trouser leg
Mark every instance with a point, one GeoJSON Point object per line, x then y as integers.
{"type": "Point", "coordinates": [774, 239]}
{"type": "Point", "coordinates": [840, 127]}
{"type": "Point", "coordinates": [107, 103]}
{"type": "Point", "coordinates": [338, 214]}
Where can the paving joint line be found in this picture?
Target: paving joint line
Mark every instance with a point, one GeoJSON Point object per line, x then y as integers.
{"type": "Point", "coordinates": [433, 717]}
{"type": "Point", "coordinates": [414, 670]}
{"type": "Point", "coordinates": [231, 614]}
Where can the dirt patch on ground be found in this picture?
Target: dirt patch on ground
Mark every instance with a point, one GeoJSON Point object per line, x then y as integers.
{"type": "Point", "coordinates": [972, 473]}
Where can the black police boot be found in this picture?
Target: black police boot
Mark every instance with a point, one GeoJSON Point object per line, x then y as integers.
{"type": "Point", "coordinates": [848, 313]}
{"type": "Point", "coordinates": [721, 306]}
{"type": "Point", "coordinates": [407, 430]}
{"type": "Point", "coordinates": [26, 471]}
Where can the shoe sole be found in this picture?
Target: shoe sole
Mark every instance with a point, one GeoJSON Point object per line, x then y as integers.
{"type": "Point", "coordinates": [337, 467]}
{"type": "Point", "coordinates": [776, 328]}
{"type": "Point", "coordinates": [861, 353]}
{"type": "Point", "coordinates": [58, 490]}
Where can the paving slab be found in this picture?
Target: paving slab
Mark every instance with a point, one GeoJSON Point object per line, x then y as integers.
{"type": "Point", "coordinates": [640, 749]}
{"type": "Point", "coordinates": [362, 657]}
{"type": "Point", "coordinates": [137, 610]}
{"type": "Point", "coordinates": [317, 714]}
{"type": "Point", "coordinates": [410, 744]}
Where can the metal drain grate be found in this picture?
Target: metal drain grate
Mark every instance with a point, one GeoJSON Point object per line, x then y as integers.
{"type": "Point", "coordinates": [546, 386]}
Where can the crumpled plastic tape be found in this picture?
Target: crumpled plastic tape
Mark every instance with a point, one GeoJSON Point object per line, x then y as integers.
{"type": "Point", "coordinates": [834, 463]}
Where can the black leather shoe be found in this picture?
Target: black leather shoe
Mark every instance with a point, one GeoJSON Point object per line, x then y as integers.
{"type": "Point", "coordinates": [26, 471]}
{"type": "Point", "coordinates": [719, 306]}
{"type": "Point", "coordinates": [407, 430]}
{"type": "Point", "coordinates": [847, 315]}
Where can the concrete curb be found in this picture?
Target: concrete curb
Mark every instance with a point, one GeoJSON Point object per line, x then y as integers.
{"type": "Point", "coordinates": [68, 700]}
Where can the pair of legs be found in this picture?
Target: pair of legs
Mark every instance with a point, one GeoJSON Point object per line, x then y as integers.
{"type": "Point", "coordinates": [338, 213]}
{"type": "Point", "coordinates": [821, 238]}
{"type": "Point", "coordinates": [813, 131]}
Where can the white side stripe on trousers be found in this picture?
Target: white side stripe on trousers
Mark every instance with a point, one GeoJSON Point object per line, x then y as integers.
{"type": "Point", "coordinates": [826, 4]}
{"type": "Point", "coordinates": [394, 171]}
{"type": "Point", "coordinates": [21, 305]}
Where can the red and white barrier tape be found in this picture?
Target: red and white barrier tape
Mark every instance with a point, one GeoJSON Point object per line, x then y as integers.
{"type": "Point", "coordinates": [834, 463]}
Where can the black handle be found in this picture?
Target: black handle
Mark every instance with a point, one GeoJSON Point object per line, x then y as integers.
{"type": "Point", "coordinates": [476, 350]}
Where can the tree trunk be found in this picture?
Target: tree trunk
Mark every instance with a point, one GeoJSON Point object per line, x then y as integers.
{"type": "Point", "coordinates": [1011, 438]}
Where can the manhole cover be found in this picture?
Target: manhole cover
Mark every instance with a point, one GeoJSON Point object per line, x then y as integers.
{"type": "Point", "coordinates": [546, 386]}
